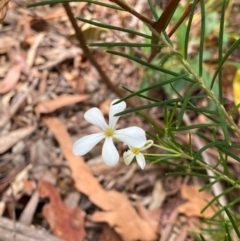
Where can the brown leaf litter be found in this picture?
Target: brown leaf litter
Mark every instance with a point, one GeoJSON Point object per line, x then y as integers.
{"type": "Point", "coordinates": [117, 211]}
{"type": "Point", "coordinates": [3, 9]}
{"type": "Point", "coordinates": [195, 202]}
{"type": "Point", "coordinates": [66, 224]}
{"type": "Point", "coordinates": [10, 139]}
{"type": "Point", "coordinates": [49, 106]}
{"type": "Point", "coordinates": [12, 76]}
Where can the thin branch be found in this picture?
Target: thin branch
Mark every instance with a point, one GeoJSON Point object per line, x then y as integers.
{"type": "Point", "coordinates": [184, 16]}
{"type": "Point", "coordinates": [161, 23]}
{"type": "Point", "coordinates": [167, 13]}
{"type": "Point", "coordinates": [129, 9]}
{"type": "Point", "coordinates": [89, 56]}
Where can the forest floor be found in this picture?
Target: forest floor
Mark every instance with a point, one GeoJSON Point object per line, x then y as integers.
{"type": "Point", "coordinates": [46, 86]}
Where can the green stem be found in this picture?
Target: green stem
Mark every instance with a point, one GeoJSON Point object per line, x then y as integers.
{"type": "Point", "coordinates": [222, 176]}
{"type": "Point", "coordinates": [162, 155]}
{"type": "Point", "coordinates": [166, 149]}
{"type": "Point", "coordinates": [201, 83]}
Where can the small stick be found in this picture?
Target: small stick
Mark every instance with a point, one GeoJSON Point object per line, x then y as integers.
{"type": "Point", "coordinates": [89, 56]}
{"type": "Point", "coordinates": [179, 22]}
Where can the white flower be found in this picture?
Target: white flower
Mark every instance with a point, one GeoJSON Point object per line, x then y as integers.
{"type": "Point", "coordinates": [133, 136]}
{"type": "Point", "coordinates": [136, 152]}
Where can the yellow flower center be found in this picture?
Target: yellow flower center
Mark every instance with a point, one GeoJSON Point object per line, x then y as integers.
{"type": "Point", "coordinates": [109, 132]}
{"type": "Point", "coordinates": [135, 150]}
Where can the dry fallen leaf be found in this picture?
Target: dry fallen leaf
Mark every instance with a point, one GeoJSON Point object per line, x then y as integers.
{"type": "Point", "coordinates": [17, 186]}
{"type": "Point", "coordinates": [158, 195]}
{"type": "Point", "coordinates": [196, 201]}
{"type": "Point", "coordinates": [66, 224]}
{"type": "Point", "coordinates": [7, 141]}
{"type": "Point", "coordinates": [117, 210]}
{"type": "Point", "coordinates": [104, 106]}
{"type": "Point", "coordinates": [108, 234]}
{"type": "Point", "coordinates": [12, 76]}
{"type": "Point", "coordinates": [31, 55]}
{"type": "Point", "coordinates": [153, 216]}
{"type": "Point", "coordinates": [75, 79]}
{"type": "Point", "coordinates": [64, 100]}
{"type": "Point", "coordinates": [3, 9]}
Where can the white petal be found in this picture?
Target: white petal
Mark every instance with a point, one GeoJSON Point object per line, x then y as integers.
{"type": "Point", "coordinates": [147, 145]}
{"type": "Point", "coordinates": [114, 109]}
{"type": "Point", "coordinates": [110, 154]}
{"type": "Point", "coordinates": [132, 136]}
{"type": "Point", "coordinates": [95, 117]}
{"type": "Point", "coordinates": [128, 157]}
{"type": "Point", "coordinates": [86, 143]}
{"type": "Point", "coordinates": [141, 160]}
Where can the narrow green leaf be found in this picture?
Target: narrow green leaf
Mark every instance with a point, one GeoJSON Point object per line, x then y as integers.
{"type": "Point", "coordinates": [175, 144]}
{"type": "Point", "coordinates": [197, 126]}
{"type": "Point", "coordinates": [184, 105]}
{"type": "Point", "coordinates": [206, 138]}
{"type": "Point", "coordinates": [235, 109]}
{"type": "Point", "coordinates": [157, 85]}
{"type": "Point", "coordinates": [224, 124]}
{"type": "Point", "coordinates": [124, 44]}
{"type": "Point", "coordinates": [153, 9]}
{"type": "Point", "coordinates": [202, 37]}
{"type": "Point", "coordinates": [165, 115]}
{"type": "Point", "coordinates": [232, 222]}
{"type": "Point", "coordinates": [217, 197]}
{"type": "Point", "coordinates": [230, 153]}
{"type": "Point", "coordinates": [160, 103]}
{"type": "Point", "coordinates": [210, 221]}
{"type": "Point", "coordinates": [224, 162]}
{"type": "Point", "coordinates": [199, 110]}
{"type": "Point", "coordinates": [162, 142]}
{"type": "Point", "coordinates": [175, 90]}
{"type": "Point", "coordinates": [67, 1]}
{"type": "Point", "coordinates": [228, 237]}
{"type": "Point", "coordinates": [189, 28]}
{"type": "Point", "coordinates": [213, 118]}
{"type": "Point", "coordinates": [202, 238]}
{"type": "Point", "coordinates": [165, 58]}
{"type": "Point", "coordinates": [211, 144]}
{"type": "Point", "coordinates": [102, 25]}
{"type": "Point", "coordinates": [231, 204]}
{"type": "Point", "coordinates": [222, 148]}
{"type": "Point", "coordinates": [170, 119]}
{"type": "Point", "coordinates": [151, 66]}
{"type": "Point", "coordinates": [140, 95]}
{"type": "Point", "coordinates": [209, 185]}
{"type": "Point", "coordinates": [164, 158]}
{"type": "Point", "coordinates": [231, 49]}
{"type": "Point", "coordinates": [235, 145]}
{"type": "Point", "coordinates": [151, 135]}
{"type": "Point", "coordinates": [150, 121]}
{"type": "Point", "coordinates": [170, 145]}
{"type": "Point", "coordinates": [175, 164]}
{"type": "Point", "coordinates": [164, 33]}
{"type": "Point", "coordinates": [220, 47]}
{"type": "Point", "coordinates": [191, 174]}
{"type": "Point", "coordinates": [190, 143]}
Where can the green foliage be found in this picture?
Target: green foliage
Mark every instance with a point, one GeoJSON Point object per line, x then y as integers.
{"type": "Point", "coordinates": [186, 81]}
{"type": "Point", "coordinates": [42, 3]}
{"type": "Point", "coordinates": [181, 31]}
